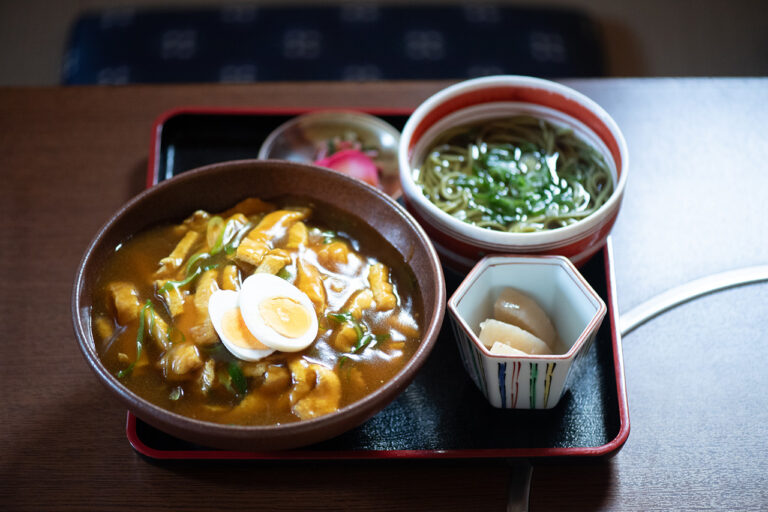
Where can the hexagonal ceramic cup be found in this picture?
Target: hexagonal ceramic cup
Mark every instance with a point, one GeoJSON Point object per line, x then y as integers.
{"type": "Point", "coordinates": [575, 309]}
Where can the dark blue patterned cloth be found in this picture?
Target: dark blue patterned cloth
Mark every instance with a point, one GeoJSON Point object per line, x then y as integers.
{"type": "Point", "coordinates": [348, 42]}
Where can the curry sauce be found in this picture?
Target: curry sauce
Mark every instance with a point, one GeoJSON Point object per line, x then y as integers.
{"type": "Point", "coordinates": [153, 330]}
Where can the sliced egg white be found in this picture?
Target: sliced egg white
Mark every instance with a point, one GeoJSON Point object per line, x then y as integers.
{"type": "Point", "coordinates": [277, 313]}
{"type": "Point", "coordinates": [224, 310]}
{"type": "Point", "coordinates": [267, 314]}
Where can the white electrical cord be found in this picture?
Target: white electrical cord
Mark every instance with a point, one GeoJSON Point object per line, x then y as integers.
{"type": "Point", "coordinates": [651, 308]}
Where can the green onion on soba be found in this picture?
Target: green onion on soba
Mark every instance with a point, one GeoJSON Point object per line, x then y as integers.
{"type": "Point", "coordinates": [517, 174]}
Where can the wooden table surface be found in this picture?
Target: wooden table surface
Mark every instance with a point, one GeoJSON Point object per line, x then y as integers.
{"type": "Point", "coordinates": [696, 376]}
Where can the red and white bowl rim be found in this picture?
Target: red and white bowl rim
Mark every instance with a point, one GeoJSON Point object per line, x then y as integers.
{"type": "Point", "coordinates": [517, 89]}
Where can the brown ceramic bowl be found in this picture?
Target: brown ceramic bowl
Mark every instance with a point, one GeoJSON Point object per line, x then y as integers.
{"type": "Point", "coordinates": [215, 188]}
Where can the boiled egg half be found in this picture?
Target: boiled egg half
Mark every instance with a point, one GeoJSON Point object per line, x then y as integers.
{"type": "Point", "coordinates": [267, 314]}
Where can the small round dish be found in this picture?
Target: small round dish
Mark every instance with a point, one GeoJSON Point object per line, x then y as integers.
{"type": "Point", "coordinates": [306, 139]}
{"type": "Point", "coordinates": [461, 244]}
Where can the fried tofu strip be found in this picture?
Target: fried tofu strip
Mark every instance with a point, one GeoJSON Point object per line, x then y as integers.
{"type": "Point", "coordinates": [383, 293]}
{"type": "Point", "coordinates": [256, 405]}
{"type": "Point", "coordinates": [276, 379]}
{"type": "Point", "coordinates": [334, 254]}
{"type": "Point", "coordinates": [309, 280]}
{"type": "Point", "coordinates": [104, 327]}
{"type": "Point", "coordinates": [274, 261]}
{"type": "Point", "coordinates": [250, 206]}
{"type": "Point", "coordinates": [345, 339]}
{"type": "Point", "coordinates": [404, 324]}
{"type": "Point", "coordinates": [236, 220]}
{"type": "Point", "coordinates": [359, 302]}
{"type": "Point", "coordinates": [252, 248]}
{"type": "Point", "coordinates": [180, 361]}
{"type": "Point", "coordinates": [346, 336]}
{"type": "Point", "coordinates": [126, 302]}
{"type": "Point", "coordinates": [255, 369]}
{"type": "Point", "coordinates": [178, 256]}
{"type": "Point", "coordinates": [173, 297]}
{"type": "Point", "coordinates": [278, 223]}
{"type": "Point", "coordinates": [302, 377]}
{"type": "Point", "coordinates": [323, 398]}
{"type": "Point", "coordinates": [158, 329]}
{"type": "Point", "coordinates": [227, 230]}
{"type": "Point", "coordinates": [197, 221]}
{"type": "Point", "coordinates": [202, 332]}
{"type": "Point", "coordinates": [230, 278]}
{"type": "Point", "coordinates": [297, 236]}
{"type": "Point", "coordinates": [256, 245]}
{"type": "Point", "coordinates": [207, 376]}
{"type": "Point", "coordinates": [125, 299]}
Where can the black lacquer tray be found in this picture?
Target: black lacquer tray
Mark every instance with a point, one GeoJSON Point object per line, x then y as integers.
{"type": "Point", "coordinates": [441, 414]}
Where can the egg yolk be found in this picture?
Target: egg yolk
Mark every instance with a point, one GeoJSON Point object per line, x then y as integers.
{"type": "Point", "coordinates": [286, 316]}
{"type": "Point", "coordinates": [234, 328]}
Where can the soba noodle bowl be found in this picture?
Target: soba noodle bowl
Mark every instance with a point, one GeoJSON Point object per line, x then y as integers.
{"type": "Point", "coordinates": [517, 174]}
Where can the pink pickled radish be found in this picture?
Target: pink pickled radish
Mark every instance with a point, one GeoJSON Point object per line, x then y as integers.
{"type": "Point", "coordinates": [352, 163]}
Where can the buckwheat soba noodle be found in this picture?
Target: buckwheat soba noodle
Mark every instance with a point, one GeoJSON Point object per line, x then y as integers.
{"type": "Point", "coordinates": [517, 174]}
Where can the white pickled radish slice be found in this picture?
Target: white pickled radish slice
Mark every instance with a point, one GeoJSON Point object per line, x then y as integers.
{"type": "Point", "coordinates": [492, 331]}
{"type": "Point", "coordinates": [516, 308]}
{"type": "Point", "coordinates": [500, 349]}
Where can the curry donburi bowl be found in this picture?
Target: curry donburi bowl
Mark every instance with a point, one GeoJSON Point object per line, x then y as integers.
{"type": "Point", "coordinates": [216, 188]}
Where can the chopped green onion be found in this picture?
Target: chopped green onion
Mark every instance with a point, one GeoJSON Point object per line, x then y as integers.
{"type": "Point", "coordinates": [139, 340]}
{"type": "Point", "coordinates": [358, 330]}
{"type": "Point", "coordinates": [328, 236]}
{"type": "Point", "coordinates": [231, 247]}
{"type": "Point", "coordinates": [214, 232]}
{"type": "Point", "coordinates": [238, 380]}
{"type": "Point", "coordinates": [362, 341]}
{"type": "Point", "coordinates": [219, 245]}
{"type": "Point", "coordinates": [284, 273]}
{"type": "Point", "coordinates": [341, 318]}
{"type": "Point", "coordinates": [230, 237]}
{"type": "Point", "coordinates": [176, 284]}
{"type": "Point", "coordinates": [194, 259]}
{"type": "Point", "coordinates": [176, 393]}
{"type": "Point", "coordinates": [369, 340]}
{"type": "Point", "coordinates": [151, 326]}
{"type": "Point", "coordinates": [179, 335]}
{"type": "Point", "coordinates": [226, 380]}
{"type": "Point", "coordinates": [364, 338]}
{"type": "Point", "coordinates": [345, 317]}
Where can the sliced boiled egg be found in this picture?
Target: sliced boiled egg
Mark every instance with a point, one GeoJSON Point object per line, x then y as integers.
{"type": "Point", "coordinates": [267, 314]}
{"type": "Point", "coordinates": [277, 313]}
{"type": "Point", "coordinates": [224, 310]}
